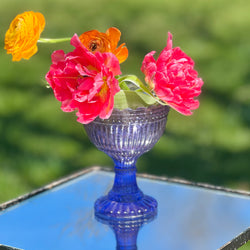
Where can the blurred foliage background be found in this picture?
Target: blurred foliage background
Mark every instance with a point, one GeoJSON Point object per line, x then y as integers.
{"type": "Point", "coordinates": [39, 143]}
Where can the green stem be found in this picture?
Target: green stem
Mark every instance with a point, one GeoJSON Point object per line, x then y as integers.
{"type": "Point", "coordinates": [54, 40]}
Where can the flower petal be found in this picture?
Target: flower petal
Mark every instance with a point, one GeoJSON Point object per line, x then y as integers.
{"type": "Point", "coordinates": [173, 78]}
{"type": "Point", "coordinates": [84, 81]}
{"type": "Point", "coordinates": [22, 36]}
{"type": "Point", "coordinates": [96, 41]}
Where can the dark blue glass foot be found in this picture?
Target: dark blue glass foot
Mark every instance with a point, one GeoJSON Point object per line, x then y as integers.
{"type": "Point", "coordinates": [144, 208]}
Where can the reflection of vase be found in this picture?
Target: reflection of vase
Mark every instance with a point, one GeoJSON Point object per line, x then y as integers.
{"type": "Point", "coordinates": [126, 232]}
{"type": "Point", "coordinates": [125, 136]}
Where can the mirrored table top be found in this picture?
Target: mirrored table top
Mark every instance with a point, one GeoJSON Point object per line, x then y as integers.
{"type": "Point", "coordinates": [61, 216]}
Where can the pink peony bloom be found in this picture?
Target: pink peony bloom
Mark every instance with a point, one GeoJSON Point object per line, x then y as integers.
{"type": "Point", "coordinates": [173, 78]}
{"type": "Point", "coordinates": [84, 81]}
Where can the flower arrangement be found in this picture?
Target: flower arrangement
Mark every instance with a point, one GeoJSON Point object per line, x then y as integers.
{"type": "Point", "coordinates": [89, 79]}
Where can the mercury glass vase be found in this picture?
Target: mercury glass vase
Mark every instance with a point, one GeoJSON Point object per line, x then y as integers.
{"type": "Point", "coordinates": [125, 136]}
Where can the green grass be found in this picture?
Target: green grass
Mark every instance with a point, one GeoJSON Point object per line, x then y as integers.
{"type": "Point", "coordinates": [39, 143]}
{"type": "Point", "coordinates": [246, 246]}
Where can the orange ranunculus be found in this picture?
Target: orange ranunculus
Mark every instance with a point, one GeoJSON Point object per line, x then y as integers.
{"type": "Point", "coordinates": [94, 41]}
{"type": "Point", "coordinates": [22, 36]}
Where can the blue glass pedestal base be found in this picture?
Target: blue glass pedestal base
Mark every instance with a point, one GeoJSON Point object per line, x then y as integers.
{"type": "Point", "coordinates": [144, 208]}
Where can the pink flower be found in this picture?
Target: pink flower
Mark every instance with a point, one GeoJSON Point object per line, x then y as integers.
{"type": "Point", "coordinates": [84, 81]}
{"type": "Point", "coordinates": [173, 78]}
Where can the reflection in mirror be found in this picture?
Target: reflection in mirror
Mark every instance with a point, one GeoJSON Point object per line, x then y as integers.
{"type": "Point", "coordinates": [126, 231]}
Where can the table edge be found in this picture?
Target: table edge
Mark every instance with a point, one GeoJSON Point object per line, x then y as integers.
{"type": "Point", "coordinates": [70, 177]}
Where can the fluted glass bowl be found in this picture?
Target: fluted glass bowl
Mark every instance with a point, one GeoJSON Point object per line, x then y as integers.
{"type": "Point", "coordinates": [125, 136]}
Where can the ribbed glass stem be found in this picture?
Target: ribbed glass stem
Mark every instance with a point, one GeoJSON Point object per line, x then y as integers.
{"type": "Point", "coordinates": [125, 187]}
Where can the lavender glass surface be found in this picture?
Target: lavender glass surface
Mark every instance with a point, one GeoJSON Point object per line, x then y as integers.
{"type": "Point", "coordinates": [125, 136]}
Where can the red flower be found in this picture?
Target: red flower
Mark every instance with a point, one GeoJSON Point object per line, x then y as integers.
{"type": "Point", "coordinates": [84, 81]}
{"type": "Point", "coordinates": [173, 78]}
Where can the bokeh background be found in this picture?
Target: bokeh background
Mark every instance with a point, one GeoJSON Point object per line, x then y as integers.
{"type": "Point", "coordinates": [39, 143]}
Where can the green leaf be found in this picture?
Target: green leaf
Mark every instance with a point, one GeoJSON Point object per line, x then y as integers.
{"type": "Point", "coordinates": [132, 99]}
{"type": "Point", "coordinates": [141, 87]}
{"type": "Point", "coordinates": [124, 86]}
